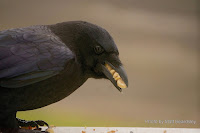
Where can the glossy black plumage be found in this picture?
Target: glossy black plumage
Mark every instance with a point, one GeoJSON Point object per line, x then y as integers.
{"type": "Point", "coordinates": [40, 65]}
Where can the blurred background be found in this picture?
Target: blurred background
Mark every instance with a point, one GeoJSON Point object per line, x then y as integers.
{"type": "Point", "coordinates": [158, 41]}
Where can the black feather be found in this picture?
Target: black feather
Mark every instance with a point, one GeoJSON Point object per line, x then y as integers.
{"type": "Point", "coordinates": [40, 65]}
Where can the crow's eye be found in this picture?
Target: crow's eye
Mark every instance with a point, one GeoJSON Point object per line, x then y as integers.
{"type": "Point", "coordinates": [98, 49]}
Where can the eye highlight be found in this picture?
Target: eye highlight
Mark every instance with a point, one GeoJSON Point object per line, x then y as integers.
{"type": "Point", "coordinates": [98, 49]}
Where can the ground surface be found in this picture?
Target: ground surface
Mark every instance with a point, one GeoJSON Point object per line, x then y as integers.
{"type": "Point", "coordinates": [122, 130]}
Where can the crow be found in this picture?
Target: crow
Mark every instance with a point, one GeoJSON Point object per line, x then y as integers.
{"type": "Point", "coordinates": [43, 64]}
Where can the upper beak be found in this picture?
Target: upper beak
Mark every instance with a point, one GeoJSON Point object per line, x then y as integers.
{"type": "Point", "coordinates": [116, 75]}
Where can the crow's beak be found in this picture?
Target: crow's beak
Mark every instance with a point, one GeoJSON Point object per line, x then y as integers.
{"type": "Point", "coordinates": [116, 75]}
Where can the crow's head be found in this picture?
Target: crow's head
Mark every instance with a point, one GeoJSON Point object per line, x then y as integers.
{"type": "Point", "coordinates": [95, 49]}
{"type": "Point", "coordinates": [99, 55]}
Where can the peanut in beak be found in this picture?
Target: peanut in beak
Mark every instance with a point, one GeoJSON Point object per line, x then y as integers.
{"type": "Point", "coordinates": [116, 76]}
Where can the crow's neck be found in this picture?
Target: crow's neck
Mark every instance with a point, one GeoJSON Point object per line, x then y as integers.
{"type": "Point", "coordinates": [69, 33]}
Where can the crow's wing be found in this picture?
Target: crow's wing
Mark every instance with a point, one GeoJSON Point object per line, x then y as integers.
{"type": "Point", "coordinates": [29, 55]}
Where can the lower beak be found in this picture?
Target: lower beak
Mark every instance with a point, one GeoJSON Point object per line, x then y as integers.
{"type": "Point", "coordinates": [116, 75]}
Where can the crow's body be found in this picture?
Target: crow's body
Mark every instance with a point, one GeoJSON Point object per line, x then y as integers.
{"type": "Point", "coordinates": [40, 65]}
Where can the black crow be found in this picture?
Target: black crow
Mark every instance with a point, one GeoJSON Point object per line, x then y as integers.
{"type": "Point", "coordinates": [40, 65]}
